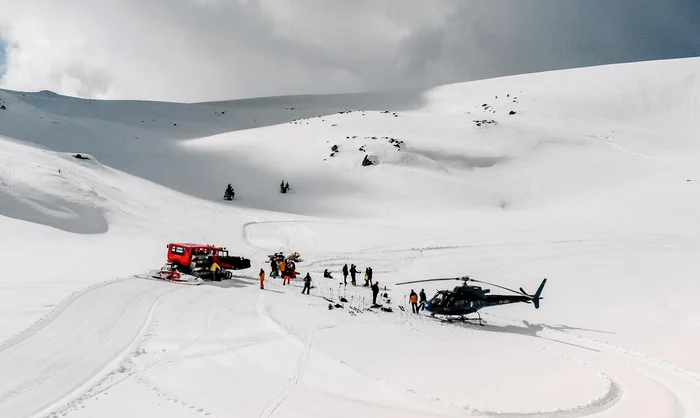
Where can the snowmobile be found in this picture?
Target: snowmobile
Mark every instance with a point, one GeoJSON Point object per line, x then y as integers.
{"type": "Point", "coordinates": [278, 256]}
{"type": "Point", "coordinates": [169, 272]}
{"type": "Point", "coordinates": [295, 256]}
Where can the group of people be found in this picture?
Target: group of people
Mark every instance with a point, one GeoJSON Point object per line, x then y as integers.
{"type": "Point", "coordinates": [288, 270]}
{"type": "Point", "coordinates": [352, 271]}
{"type": "Point", "coordinates": [287, 275]}
{"type": "Point", "coordinates": [284, 187]}
{"type": "Point", "coordinates": [417, 301]}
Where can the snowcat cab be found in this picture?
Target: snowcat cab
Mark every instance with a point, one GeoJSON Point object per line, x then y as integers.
{"type": "Point", "coordinates": [230, 262]}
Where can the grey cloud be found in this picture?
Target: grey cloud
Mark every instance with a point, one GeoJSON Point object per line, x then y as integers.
{"type": "Point", "coordinates": [87, 82]}
{"type": "Point", "coordinates": [191, 50]}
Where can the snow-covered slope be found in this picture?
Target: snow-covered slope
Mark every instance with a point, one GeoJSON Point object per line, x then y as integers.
{"type": "Point", "coordinates": [588, 177]}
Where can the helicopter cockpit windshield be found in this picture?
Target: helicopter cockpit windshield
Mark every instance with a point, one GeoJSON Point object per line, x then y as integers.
{"type": "Point", "coordinates": [438, 299]}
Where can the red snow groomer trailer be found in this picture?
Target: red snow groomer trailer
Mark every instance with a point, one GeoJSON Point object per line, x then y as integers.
{"type": "Point", "coordinates": [191, 263]}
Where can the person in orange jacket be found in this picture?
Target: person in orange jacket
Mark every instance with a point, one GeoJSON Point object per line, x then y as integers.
{"type": "Point", "coordinates": [413, 298]}
{"type": "Point", "coordinates": [262, 278]}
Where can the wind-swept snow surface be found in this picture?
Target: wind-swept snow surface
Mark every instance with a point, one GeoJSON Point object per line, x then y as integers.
{"type": "Point", "coordinates": [587, 177]}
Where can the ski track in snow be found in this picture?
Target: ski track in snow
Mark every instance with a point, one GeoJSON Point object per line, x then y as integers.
{"type": "Point", "coordinates": [48, 352]}
{"type": "Point", "coordinates": [274, 406]}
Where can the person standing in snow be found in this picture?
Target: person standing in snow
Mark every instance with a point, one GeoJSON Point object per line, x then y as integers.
{"type": "Point", "coordinates": [345, 274]}
{"type": "Point", "coordinates": [287, 276]}
{"type": "Point", "coordinates": [369, 275]}
{"type": "Point", "coordinates": [291, 266]}
{"type": "Point", "coordinates": [273, 269]}
{"type": "Point", "coordinates": [353, 272]}
{"type": "Point", "coordinates": [307, 284]}
{"type": "Point", "coordinates": [375, 292]}
{"type": "Point", "coordinates": [282, 268]}
{"type": "Point", "coordinates": [423, 299]}
{"type": "Point", "coordinates": [413, 299]}
{"type": "Point", "coordinates": [214, 268]}
{"type": "Point", "coordinates": [262, 278]}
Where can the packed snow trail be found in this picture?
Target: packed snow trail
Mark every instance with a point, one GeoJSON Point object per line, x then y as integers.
{"type": "Point", "coordinates": [66, 354]}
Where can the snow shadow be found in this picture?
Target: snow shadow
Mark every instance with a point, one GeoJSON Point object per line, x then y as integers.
{"type": "Point", "coordinates": [55, 212]}
{"type": "Point", "coordinates": [529, 330]}
{"type": "Point", "coordinates": [234, 282]}
{"type": "Point", "coordinates": [458, 160]}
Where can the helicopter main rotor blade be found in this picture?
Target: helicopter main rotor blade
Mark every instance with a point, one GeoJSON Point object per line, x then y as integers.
{"type": "Point", "coordinates": [430, 280]}
{"type": "Point", "coordinates": [501, 287]}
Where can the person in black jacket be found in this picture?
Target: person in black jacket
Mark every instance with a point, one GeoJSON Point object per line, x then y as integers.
{"type": "Point", "coordinates": [307, 284]}
{"type": "Point", "coordinates": [345, 274]}
{"type": "Point", "coordinates": [422, 299]}
{"type": "Point", "coordinates": [273, 269]}
{"type": "Point", "coordinates": [375, 292]}
{"type": "Point", "coordinates": [353, 272]}
{"type": "Point", "coordinates": [369, 275]}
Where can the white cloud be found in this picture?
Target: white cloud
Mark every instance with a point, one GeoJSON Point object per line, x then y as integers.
{"type": "Point", "coordinates": [192, 50]}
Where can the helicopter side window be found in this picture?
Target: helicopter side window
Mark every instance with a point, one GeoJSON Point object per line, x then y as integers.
{"type": "Point", "coordinates": [461, 303]}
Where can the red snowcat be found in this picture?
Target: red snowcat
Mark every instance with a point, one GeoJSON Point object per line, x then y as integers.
{"type": "Point", "coordinates": [191, 263]}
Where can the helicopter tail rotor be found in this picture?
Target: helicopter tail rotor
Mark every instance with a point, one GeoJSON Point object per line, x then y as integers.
{"type": "Point", "coordinates": [536, 297]}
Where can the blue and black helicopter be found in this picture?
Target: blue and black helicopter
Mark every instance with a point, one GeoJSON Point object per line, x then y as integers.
{"type": "Point", "coordinates": [467, 299]}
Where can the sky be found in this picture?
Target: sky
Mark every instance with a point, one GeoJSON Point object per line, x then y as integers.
{"type": "Point", "coordinates": [199, 50]}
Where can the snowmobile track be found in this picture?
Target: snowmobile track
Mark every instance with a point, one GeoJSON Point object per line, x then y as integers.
{"type": "Point", "coordinates": [53, 314]}
{"type": "Point", "coordinates": [48, 352]}
{"type": "Point", "coordinates": [274, 406]}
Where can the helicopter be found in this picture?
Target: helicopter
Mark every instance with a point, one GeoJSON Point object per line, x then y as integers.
{"type": "Point", "coordinates": [467, 299]}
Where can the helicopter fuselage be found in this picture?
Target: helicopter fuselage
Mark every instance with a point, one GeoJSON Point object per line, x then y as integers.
{"type": "Point", "coordinates": [466, 300]}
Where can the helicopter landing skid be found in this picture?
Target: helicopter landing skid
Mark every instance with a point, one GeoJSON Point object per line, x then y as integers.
{"type": "Point", "coordinates": [463, 318]}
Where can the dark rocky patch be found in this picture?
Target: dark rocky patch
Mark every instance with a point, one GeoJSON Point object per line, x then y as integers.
{"type": "Point", "coordinates": [485, 122]}
{"type": "Point", "coordinates": [334, 150]}
{"type": "Point", "coordinates": [80, 157]}
{"type": "Point", "coordinates": [395, 142]}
